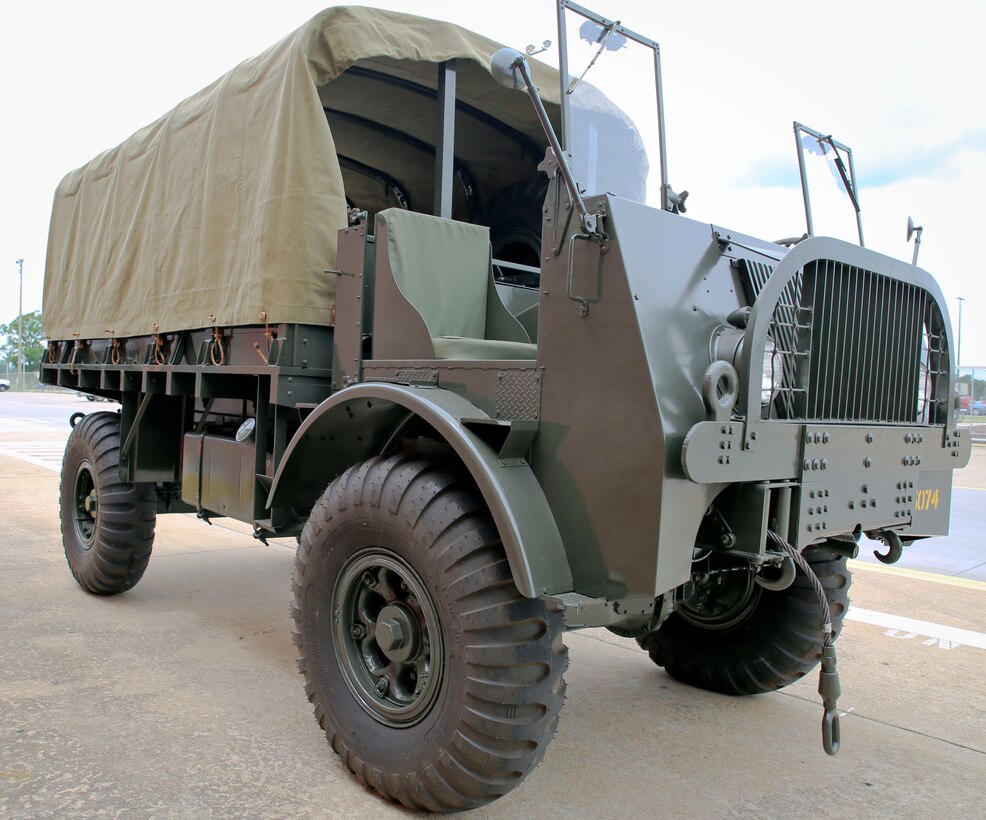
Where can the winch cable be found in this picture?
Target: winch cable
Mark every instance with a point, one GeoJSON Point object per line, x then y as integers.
{"type": "Point", "coordinates": [828, 675]}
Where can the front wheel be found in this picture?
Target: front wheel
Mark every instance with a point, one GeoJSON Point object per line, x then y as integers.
{"type": "Point", "coordinates": [735, 637]}
{"type": "Point", "coordinates": [437, 683]}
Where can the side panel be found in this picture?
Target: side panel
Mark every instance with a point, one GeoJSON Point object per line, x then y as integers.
{"type": "Point", "coordinates": [621, 390]}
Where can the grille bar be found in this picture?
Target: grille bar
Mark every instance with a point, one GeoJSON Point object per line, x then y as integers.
{"type": "Point", "coordinates": [854, 346]}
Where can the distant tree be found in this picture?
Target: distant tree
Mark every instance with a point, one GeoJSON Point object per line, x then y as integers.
{"type": "Point", "coordinates": [34, 340]}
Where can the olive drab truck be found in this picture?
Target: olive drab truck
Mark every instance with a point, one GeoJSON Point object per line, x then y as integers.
{"type": "Point", "coordinates": [433, 309]}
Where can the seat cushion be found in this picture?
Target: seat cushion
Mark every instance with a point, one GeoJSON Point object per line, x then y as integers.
{"type": "Point", "coordinates": [461, 347]}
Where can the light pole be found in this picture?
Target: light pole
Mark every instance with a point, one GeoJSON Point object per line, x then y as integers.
{"type": "Point", "coordinates": [20, 326]}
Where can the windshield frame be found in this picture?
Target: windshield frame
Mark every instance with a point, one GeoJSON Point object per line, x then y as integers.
{"type": "Point", "coordinates": [564, 6]}
{"type": "Point", "coordinates": [851, 188]}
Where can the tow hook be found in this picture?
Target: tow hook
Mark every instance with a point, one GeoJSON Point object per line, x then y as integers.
{"type": "Point", "coordinates": [895, 549]}
{"type": "Point", "coordinates": [830, 689]}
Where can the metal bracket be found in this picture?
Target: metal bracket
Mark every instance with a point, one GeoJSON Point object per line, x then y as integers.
{"type": "Point", "coordinates": [132, 432]}
{"type": "Point", "coordinates": [581, 611]}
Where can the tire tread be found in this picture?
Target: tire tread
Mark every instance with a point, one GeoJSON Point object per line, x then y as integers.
{"type": "Point", "coordinates": [514, 659]}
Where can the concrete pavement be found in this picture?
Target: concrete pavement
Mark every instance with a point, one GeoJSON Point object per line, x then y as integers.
{"type": "Point", "coordinates": [181, 699]}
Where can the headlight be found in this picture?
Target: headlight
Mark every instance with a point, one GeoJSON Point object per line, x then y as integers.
{"type": "Point", "coordinates": [771, 372]}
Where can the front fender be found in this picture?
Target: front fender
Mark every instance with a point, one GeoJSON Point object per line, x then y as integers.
{"type": "Point", "coordinates": [361, 421]}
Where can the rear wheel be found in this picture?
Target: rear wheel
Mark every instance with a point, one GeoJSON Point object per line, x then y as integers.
{"type": "Point", "coordinates": [435, 681]}
{"type": "Point", "coordinates": [735, 637]}
{"type": "Point", "coordinates": [107, 524]}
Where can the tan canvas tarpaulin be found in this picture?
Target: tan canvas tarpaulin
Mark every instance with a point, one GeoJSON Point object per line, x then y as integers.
{"type": "Point", "coordinates": [229, 204]}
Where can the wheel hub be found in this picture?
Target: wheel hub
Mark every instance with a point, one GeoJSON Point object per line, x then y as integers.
{"type": "Point", "coordinates": [85, 504]}
{"type": "Point", "coordinates": [398, 634]}
{"type": "Point", "coordinates": [387, 637]}
{"type": "Point", "coordinates": [723, 599]}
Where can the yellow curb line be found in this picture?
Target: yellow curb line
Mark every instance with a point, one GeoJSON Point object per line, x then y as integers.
{"type": "Point", "coordinates": [960, 487]}
{"type": "Point", "coordinates": [918, 575]}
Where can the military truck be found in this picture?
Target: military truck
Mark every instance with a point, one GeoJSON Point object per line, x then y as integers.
{"type": "Point", "coordinates": [396, 291]}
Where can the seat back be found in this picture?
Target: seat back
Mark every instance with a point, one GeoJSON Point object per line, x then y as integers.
{"type": "Point", "coordinates": [442, 268]}
{"type": "Point", "coordinates": [434, 292]}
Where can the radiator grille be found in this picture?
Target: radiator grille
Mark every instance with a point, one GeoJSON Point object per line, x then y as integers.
{"type": "Point", "coordinates": [853, 345]}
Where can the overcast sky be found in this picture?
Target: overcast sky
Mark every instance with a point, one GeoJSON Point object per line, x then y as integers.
{"type": "Point", "coordinates": [900, 82]}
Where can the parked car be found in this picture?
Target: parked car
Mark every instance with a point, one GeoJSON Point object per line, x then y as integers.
{"type": "Point", "coordinates": [4, 385]}
{"type": "Point", "coordinates": [978, 408]}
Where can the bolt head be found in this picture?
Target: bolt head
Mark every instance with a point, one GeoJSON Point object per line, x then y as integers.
{"type": "Point", "coordinates": [358, 631]}
{"type": "Point", "coordinates": [390, 635]}
{"type": "Point", "coordinates": [382, 686]}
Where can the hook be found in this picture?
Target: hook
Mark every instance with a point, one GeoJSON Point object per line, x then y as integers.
{"type": "Point", "coordinates": [788, 573]}
{"type": "Point", "coordinates": [895, 549]}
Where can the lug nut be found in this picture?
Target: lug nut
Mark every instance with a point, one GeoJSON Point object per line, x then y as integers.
{"type": "Point", "coordinates": [358, 631]}
{"type": "Point", "coordinates": [382, 686]}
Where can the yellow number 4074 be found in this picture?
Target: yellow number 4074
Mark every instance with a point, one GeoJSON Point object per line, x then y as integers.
{"type": "Point", "coordinates": [926, 499]}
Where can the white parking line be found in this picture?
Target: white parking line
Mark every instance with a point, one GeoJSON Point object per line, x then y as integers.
{"type": "Point", "coordinates": [20, 425]}
{"type": "Point", "coordinates": [42, 454]}
{"type": "Point", "coordinates": [946, 637]}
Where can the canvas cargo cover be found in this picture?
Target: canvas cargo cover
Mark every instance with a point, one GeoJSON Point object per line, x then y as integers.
{"type": "Point", "coordinates": [228, 205]}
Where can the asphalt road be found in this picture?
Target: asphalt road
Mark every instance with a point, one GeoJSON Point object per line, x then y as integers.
{"type": "Point", "coordinates": [181, 699]}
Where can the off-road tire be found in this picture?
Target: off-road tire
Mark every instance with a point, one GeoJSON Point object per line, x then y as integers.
{"type": "Point", "coordinates": [107, 548]}
{"type": "Point", "coordinates": [494, 702]}
{"type": "Point", "coordinates": [514, 219]}
{"type": "Point", "coordinates": [778, 641]}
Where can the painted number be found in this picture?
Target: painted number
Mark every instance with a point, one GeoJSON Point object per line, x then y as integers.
{"type": "Point", "coordinates": [926, 500]}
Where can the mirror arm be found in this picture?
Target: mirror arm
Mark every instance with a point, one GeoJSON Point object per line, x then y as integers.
{"type": "Point", "coordinates": [520, 65]}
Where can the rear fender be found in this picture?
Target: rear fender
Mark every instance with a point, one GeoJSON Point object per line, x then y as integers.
{"type": "Point", "coordinates": [365, 420]}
